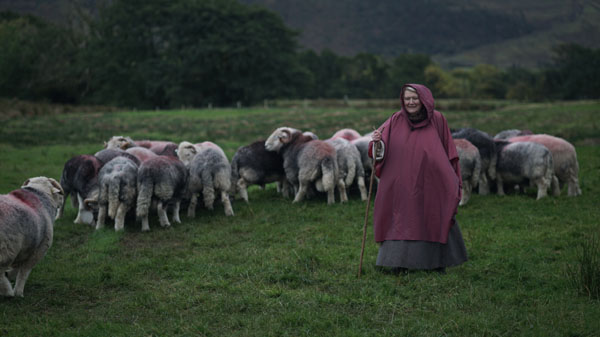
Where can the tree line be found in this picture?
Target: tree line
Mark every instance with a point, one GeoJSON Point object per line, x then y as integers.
{"type": "Point", "coordinates": [173, 53]}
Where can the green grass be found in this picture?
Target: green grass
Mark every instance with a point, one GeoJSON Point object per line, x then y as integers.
{"type": "Point", "coordinates": [283, 269]}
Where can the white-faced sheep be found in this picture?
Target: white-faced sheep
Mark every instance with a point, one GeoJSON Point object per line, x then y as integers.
{"type": "Point", "coordinates": [487, 151]}
{"type": "Point", "coordinates": [306, 161]}
{"type": "Point", "coordinates": [79, 180]}
{"type": "Point", "coordinates": [349, 165]}
{"type": "Point", "coordinates": [470, 167]}
{"type": "Point", "coordinates": [566, 167]}
{"type": "Point", "coordinates": [118, 187]}
{"type": "Point", "coordinates": [506, 134]}
{"type": "Point", "coordinates": [254, 165]}
{"type": "Point", "coordinates": [163, 178]}
{"type": "Point", "coordinates": [27, 218]}
{"type": "Point", "coordinates": [523, 162]}
{"type": "Point", "coordinates": [209, 172]}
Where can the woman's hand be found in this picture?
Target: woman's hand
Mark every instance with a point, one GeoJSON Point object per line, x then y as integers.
{"type": "Point", "coordinates": [376, 136]}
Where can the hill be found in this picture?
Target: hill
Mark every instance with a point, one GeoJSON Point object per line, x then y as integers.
{"type": "Point", "coordinates": [455, 32]}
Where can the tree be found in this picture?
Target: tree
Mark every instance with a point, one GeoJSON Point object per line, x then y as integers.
{"type": "Point", "coordinates": [189, 52]}
{"type": "Point", "coordinates": [575, 73]}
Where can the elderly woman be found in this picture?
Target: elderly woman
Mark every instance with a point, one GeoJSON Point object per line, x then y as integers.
{"type": "Point", "coordinates": [419, 188]}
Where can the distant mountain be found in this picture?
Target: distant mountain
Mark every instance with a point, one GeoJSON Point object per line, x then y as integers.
{"type": "Point", "coordinates": [454, 32]}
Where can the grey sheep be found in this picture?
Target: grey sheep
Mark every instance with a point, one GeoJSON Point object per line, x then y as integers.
{"type": "Point", "coordinates": [27, 218]}
{"type": "Point", "coordinates": [118, 191]}
{"type": "Point", "coordinates": [209, 172]}
{"type": "Point", "coordinates": [164, 179]}
{"type": "Point", "coordinates": [524, 162]}
{"type": "Point", "coordinates": [307, 161]}
{"type": "Point", "coordinates": [350, 165]}
{"type": "Point", "coordinates": [470, 167]}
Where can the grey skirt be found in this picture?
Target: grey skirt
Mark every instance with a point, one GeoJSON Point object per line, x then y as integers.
{"type": "Point", "coordinates": [424, 254]}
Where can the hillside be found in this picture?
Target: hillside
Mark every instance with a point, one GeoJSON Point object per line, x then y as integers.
{"type": "Point", "coordinates": [455, 32]}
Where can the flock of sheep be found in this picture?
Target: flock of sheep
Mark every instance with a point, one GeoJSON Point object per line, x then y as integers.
{"type": "Point", "coordinates": [132, 175]}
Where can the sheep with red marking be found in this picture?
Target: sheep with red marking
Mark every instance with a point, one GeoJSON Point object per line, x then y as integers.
{"type": "Point", "coordinates": [470, 167]}
{"type": "Point", "coordinates": [566, 167]}
{"type": "Point", "coordinates": [163, 148]}
{"type": "Point", "coordinates": [347, 134]}
{"type": "Point", "coordinates": [27, 218]}
{"type": "Point", "coordinates": [307, 161]}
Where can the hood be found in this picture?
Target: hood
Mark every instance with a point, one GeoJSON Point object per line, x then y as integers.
{"type": "Point", "coordinates": [426, 98]}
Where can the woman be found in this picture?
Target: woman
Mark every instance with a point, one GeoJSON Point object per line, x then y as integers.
{"type": "Point", "coordinates": [419, 187]}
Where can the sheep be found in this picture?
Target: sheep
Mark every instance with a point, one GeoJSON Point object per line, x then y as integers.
{"type": "Point", "coordinates": [163, 148]}
{"type": "Point", "coordinates": [349, 165]}
{"type": "Point", "coordinates": [487, 151]}
{"type": "Point", "coordinates": [305, 161]}
{"type": "Point", "coordinates": [254, 165]}
{"type": "Point", "coordinates": [27, 218]}
{"type": "Point", "coordinates": [470, 167]}
{"type": "Point", "coordinates": [506, 134]}
{"type": "Point", "coordinates": [566, 167]}
{"type": "Point", "coordinates": [79, 179]}
{"type": "Point", "coordinates": [520, 162]}
{"type": "Point", "coordinates": [209, 171]}
{"type": "Point", "coordinates": [347, 134]}
{"type": "Point", "coordinates": [141, 153]}
{"type": "Point", "coordinates": [362, 144]}
{"type": "Point", "coordinates": [163, 178]}
{"type": "Point", "coordinates": [107, 155]}
{"type": "Point", "coordinates": [117, 180]}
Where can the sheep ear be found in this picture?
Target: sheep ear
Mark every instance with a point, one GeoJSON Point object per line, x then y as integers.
{"type": "Point", "coordinates": [285, 137]}
{"type": "Point", "coordinates": [57, 187]}
{"type": "Point", "coordinates": [105, 144]}
{"type": "Point", "coordinates": [25, 183]}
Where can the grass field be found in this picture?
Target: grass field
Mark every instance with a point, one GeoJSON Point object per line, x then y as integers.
{"type": "Point", "coordinates": [283, 269]}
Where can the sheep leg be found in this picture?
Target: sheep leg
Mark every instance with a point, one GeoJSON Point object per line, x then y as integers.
{"type": "Point", "coordinates": [120, 217]}
{"type": "Point", "coordinates": [542, 187]}
{"type": "Point", "coordinates": [191, 212]}
{"type": "Point", "coordinates": [145, 225]}
{"type": "Point", "coordinates": [499, 186]}
{"type": "Point", "coordinates": [243, 189]}
{"type": "Point", "coordinates": [484, 188]}
{"type": "Point", "coordinates": [226, 203]}
{"type": "Point", "coordinates": [162, 215]}
{"type": "Point", "coordinates": [466, 193]}
{"type": "Point", "coordinates": [101, 217]}
{"type": "Point", "coordinates": [301, 191]}
{"type": "Point", "coordinates": [79, 209]}
{"type": "Point", "coordinates": [176, 211]}
{"type": "Point", "coordinates": [209, 197]}
{"type": "Point", "coordinates": [21, 280]}
{"type": "Point", "coordinates": [362, 188]}
{"type": "Point", "coordinates": [341, 189]}
{"type": "Point", "coordinates": [555, 186]}
{"type": "Point", "coordinates": [5, 287]}
{"type": "Point", "coordinates": [573, 187]}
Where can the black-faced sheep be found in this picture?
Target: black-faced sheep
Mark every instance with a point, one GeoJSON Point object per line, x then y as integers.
{"type": "Point", "coordinates": [470, 167]}
{"type": "Point", "coordinates": [487, 151]}
{"type": "Point", "coordinates": [27, 218]}
{"type": "Point", "coordinates": [163, 178]}
{"type": "Point", "coordinates": [306, 161]}
{"type": "Point", "coordinates": [254, 165]}
{"type": "Point", "coordinates": [79, 180]}
{"type": "Point", "coordinates": [209, 171]}
{"type": "Point", "coordinates": [118, 187]}
{"type": "Point", "coordinates": [566, 167]}
{"type": "Point", "coordinates": [522, 163]}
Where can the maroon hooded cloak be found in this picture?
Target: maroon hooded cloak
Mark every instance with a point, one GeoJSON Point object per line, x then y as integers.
{"type": "Point", "coordinates": [420, 183]}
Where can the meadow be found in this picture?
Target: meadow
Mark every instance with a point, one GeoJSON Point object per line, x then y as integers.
{"type": "Point", "coordinates": [283, 269]}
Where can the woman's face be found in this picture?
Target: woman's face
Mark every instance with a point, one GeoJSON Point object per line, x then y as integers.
{"type": "Point", "coordinates": [411, 102]}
